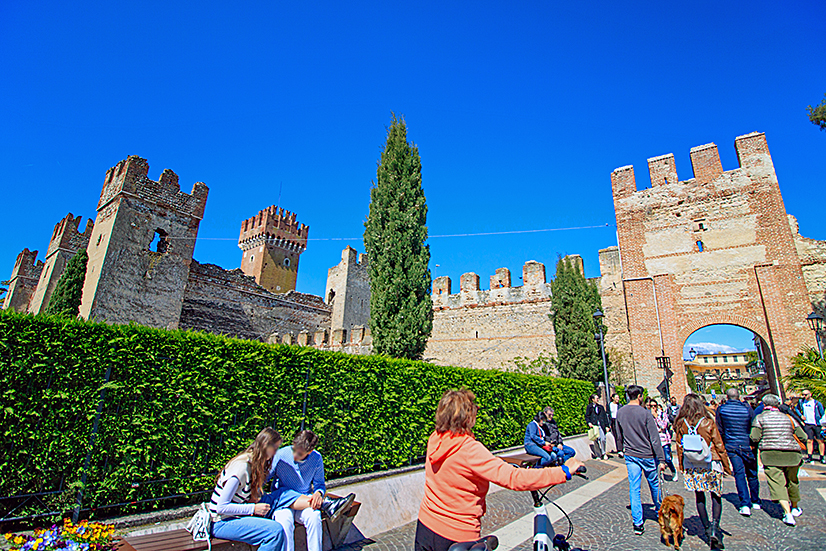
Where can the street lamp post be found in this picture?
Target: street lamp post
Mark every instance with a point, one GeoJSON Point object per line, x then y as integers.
{"type": "Point", "coordinates": [816, 325]}
{"type": "Point", "coordinates": [664, 363]}
{"type": "Point", "coordinates": [598, 315]}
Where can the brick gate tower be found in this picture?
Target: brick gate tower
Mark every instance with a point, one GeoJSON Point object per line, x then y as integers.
{"type": "Point", "coordinates": [272, 242]}
{"type": "Point", "coordinates": [715, 249]}
{"type": "Point", "coordinates": [141, 246]}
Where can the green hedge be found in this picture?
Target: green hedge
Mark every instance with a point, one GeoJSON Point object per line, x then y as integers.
{"type": "Point", "coordinates": [178, 404]}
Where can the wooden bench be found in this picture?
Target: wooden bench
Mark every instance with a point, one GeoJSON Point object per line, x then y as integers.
{"type": "Point", "coordinates": [181, 540]}
{"type": "Point", "coordinates": [521, 459]}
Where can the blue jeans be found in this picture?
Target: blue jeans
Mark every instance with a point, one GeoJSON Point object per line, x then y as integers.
{"type": "Point", "coordinates": [545, 458]}
{"type": "Point", "coordinates": [566, 453]}
{"type": "Point", "coordinates": [263, 532]}
{"type": "Point", "coordinates": [668, 459]}
{"type": "Point", "coordinates": [744, 466]}
{"type": "Point", "coordinates": [636, 468]}
{"type": "Point", "coordinates": [280, 498]}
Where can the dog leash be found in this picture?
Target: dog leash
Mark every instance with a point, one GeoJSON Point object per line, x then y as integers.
{"type": "Point", "coordinates": [663, 492]}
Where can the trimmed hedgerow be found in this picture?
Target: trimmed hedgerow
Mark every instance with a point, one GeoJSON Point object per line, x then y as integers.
{"type": "Point", "coordinates": [174, 405]}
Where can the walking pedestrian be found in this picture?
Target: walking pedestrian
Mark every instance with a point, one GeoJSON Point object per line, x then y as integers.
{"type": "Point", "coordinates": [811, 411]}
{"type": "Point", "coordinates": [778, 435]}
{"type": "Point", "coordinates": [597, 417]}
{"type": "Point", "coordinates": [734, 420]}
{"type": "Point", "coordinates": [643, 453]}
{"type": "Point", "coordinates": [613, 408]}
{"type": "Point", "coordinates": [702, 470]}
{"type": "Point", "coordinates": [664, 428]}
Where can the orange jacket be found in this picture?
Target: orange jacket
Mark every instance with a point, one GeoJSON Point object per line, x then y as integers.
{"type": "Point", "coordinates": [458, 473]}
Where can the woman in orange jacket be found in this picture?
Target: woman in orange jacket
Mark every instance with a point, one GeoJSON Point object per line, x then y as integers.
{"type": "Point", "coordinates": [458, 473]}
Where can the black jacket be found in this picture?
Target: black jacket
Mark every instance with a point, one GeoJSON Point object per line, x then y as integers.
{"type": "Point", "coordinates": [552, 434]}
{"type": "Point", "coordinates": [596, 415]}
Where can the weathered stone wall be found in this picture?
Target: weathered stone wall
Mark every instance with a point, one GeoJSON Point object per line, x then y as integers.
{"type": "Point", "coordinates": [228, 302]}
{"type": "Point", "coordinates": [618, 337]}
{"type": "Point", "coordinates": [348, 291]}
{"type": "Point", "coordinates": [812, 255]}
{"type": "Point", "coordinates": [66, 241]}
{"type": "Point", "coordinates": [125, 279]}
{"type": "Point", "coordinates": [23, 281]}
{"type": "Point", "coordinates": [489, 328]}
{"type": "Point", "coordinates": [717, 248]}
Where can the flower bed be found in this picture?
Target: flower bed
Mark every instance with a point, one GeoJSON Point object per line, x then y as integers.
{"type": "Point", "coordinates": [84, 536]}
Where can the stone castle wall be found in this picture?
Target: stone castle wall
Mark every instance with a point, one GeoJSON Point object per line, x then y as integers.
{"type": "Point", "coordinates": [348, 291]}
{"type": "Point", "coordinates": [23, 281]}
{"type": "Point", "coordinates": [812, 255]}
{"type": "Point", "coordinates": [716, 248]}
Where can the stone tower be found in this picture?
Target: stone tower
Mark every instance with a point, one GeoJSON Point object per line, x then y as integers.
{"type": "Point", "coordinates": [272, 242]}
{"type": "Point", "coordinates": [713, 249]}
{"type": "Point", "coordinates": [23, 281]}
{"type": "Point", "coordinates": [141, 246]}
{"type": "Point", "coordinates": [348, 291]}
{"type": "Point", "coordinates": [66, 241]}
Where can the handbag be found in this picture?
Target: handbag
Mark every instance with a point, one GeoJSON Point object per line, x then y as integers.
{"type": "Point", "coordinates": [796, 439]}
{"type": "Point", "coordinates": [593, 434]}
{"type": "Point", "coordinates": [200, 525]}
{"type": "Point", "coordinates": [696, 453]}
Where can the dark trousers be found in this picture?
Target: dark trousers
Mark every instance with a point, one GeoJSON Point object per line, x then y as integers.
{"type": "Point", "coordinates": [744, 467]}
{"type": "Point", "coordinates": [616, 434]}
{"type": "Point", "coordinates": [428, 540]}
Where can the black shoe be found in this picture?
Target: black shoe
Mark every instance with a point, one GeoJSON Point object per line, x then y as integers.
{"type": "Point", "coordinates": [334, 507]}
{"type": "Point", "coordinates": [715, 540]}
{"type": "Point", "coordinates": [807, 459]}
{"type": "Point", "coordinates": [823, 460]}
{"type": "Point", "coordinates": [639, 529]}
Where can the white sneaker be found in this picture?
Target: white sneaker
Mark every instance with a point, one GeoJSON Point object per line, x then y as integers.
{"type": "Point", "coordinates": [797, 511]}
{"type": "Point", "coordinates": [745, 511]}
{"type": "Point", "coordinates": [789, 519]}
{"type": "Point", "coordinates": [756, 506]}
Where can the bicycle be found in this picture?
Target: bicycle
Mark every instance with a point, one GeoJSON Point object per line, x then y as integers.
{"type": "Point", "coordinates": [542, 527]}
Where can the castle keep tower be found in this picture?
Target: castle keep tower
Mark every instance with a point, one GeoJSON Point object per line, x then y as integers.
{"type": "Point", "coordinates": [66, 241]}
{"type": "Point", "coordinates": [348, 291]}
{"type": "Point", "coordinates": [23, 281]}
{"type": "Point", "coordinates": [714, 249]}
{"type": "Point", "coordinates": [141, 246]}
{"type": "Point", "coordinates": [272, 242]}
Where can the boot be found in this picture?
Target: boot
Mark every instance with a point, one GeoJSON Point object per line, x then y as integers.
{"type": "Point", "coordinates": [334, 507]}
{"type": "Point", "coordinates": [715, 540]}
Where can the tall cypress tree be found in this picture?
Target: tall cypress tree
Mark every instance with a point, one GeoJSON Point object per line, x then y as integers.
{"type": "Point", "coordinates": [401, 312]}
{"type": "Point", "coordinates": [574, 300]}
{"type": "Point", "coordinates": [65, 299]}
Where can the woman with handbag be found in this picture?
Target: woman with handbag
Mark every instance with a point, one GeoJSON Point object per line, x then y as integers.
{"type": "Point", "coordinates": [703, 460]}
{"type": "Point", "coordinates": [597, 419]}
{"type": "Point", "coordinates": [781, 440]}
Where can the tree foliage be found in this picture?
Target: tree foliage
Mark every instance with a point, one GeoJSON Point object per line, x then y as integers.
{"type": "Point", "coordinates": [65, 299]}
{"type": "Point", "coordinates": [574, 300]}
{"type": "Point", "coordinates": [401, 312]}
{"type": "Point", "coordinates": [177, 404]}
{"type": "Point", "coordinates": [808, 372]}
{"type": "Point", "coordinates": [817, 114]}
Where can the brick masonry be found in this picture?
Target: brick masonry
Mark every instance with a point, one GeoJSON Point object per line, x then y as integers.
{"type": "Point", "coordinates": [272, 242]}
{"type": "Point", "coordinates": [717, 248]}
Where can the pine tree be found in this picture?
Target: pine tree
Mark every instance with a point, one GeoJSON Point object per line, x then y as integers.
{"type": "Point", "coordinates": [574, 300]}
{"type": "Point", "coordinates": [65, 299]}
{"type": "Point", "coordinates": [401, 313]}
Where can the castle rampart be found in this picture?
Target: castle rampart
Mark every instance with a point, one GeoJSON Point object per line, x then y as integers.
{"type": "Point", "coordinates": [23, 281]}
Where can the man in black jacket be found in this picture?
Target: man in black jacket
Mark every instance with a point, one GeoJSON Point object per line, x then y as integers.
{"type": "Point", "coordinates": [554, 438]}
{"type": "Point", "coordinates": [597, 418]}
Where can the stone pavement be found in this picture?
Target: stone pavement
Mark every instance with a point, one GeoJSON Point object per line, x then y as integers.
{"type": "Point", "coordinates": [603, 522]}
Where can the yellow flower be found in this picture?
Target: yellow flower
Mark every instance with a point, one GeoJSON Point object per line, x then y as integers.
{"type": "Point", "coordinates": [18, 540]}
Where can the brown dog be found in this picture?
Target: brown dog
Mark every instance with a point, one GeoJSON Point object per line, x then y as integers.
{"type": "Point", "coordinates": [671, 519]}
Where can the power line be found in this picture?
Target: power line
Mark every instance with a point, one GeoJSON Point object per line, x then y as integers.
{"type": "Point", "coordinates": [479, 234]}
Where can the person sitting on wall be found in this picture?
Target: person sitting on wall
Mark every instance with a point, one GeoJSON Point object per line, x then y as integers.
{"type": "Point", "coordinates": [554, 438]}
{"type": "Point", "coordinates": [300, 469]}
{"type": "Point", "coordinates": [535, 441]}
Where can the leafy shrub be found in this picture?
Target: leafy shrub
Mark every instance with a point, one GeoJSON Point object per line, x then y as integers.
{"type": "Point", "coordinates": [175, 405]}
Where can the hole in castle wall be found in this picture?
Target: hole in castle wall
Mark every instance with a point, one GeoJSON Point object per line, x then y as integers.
{"type": "Point", "coordinates": [287, 262]}
{"type": "Point", "coordinates": [160, 242]}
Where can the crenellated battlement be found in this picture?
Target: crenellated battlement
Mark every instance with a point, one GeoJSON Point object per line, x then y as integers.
{"type": "Point", "coordinates": [27, 266]}
{"type": "Point", "coordinates": [752, 151]}
{"type": "Point", "coordinates": [67, 236]}
{"type": "Point", "coordinates": [534, 288]}
{"type": "Point", "coordinates": [275, 226]}
{"type": "Point", "coordinates": [131, 177]}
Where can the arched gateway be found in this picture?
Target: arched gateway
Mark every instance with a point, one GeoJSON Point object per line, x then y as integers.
{"type": "Point", "coordinates": [715, 249]}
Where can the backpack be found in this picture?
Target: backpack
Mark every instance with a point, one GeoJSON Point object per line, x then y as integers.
{"type": "Point", "coordinates": [200, 525]}
{"type": "Point", "coordinates": [696, 453]}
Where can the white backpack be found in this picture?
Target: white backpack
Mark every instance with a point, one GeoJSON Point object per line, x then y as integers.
{"type": "Point", "coordinates": [200, 525]}
{"type": "Point", "coordinates": [696, 453]}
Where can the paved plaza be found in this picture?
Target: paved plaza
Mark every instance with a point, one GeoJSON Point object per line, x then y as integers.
{"type": "Point", "coordinates": [598, 508]}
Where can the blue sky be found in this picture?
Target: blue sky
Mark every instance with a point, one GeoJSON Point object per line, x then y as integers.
{"type": "Point", "coordinates": [521, 111]}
